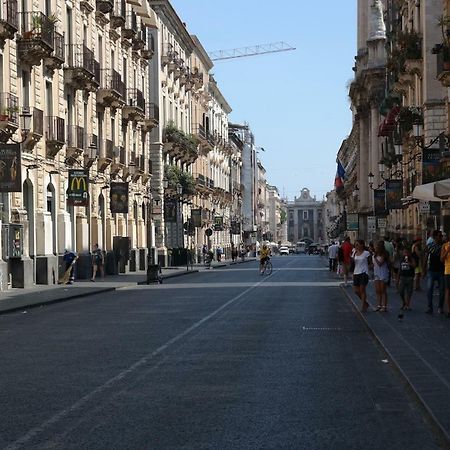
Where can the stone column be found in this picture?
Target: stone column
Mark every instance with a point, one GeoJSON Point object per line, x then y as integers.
{"type": "Point", "coordinates": [46, 262]}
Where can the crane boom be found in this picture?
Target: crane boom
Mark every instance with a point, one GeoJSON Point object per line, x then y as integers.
{"type": "Point", "coordinates": [250, 51]}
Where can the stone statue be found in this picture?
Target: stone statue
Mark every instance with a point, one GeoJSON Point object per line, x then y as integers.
{"type": "Point", "coordinates": [377, 27]}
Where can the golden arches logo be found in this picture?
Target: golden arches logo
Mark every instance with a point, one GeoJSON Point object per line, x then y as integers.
{"type": "Point", "coordinates": [78, 182]}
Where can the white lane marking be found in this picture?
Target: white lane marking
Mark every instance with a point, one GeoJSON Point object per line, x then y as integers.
{"type": "Point", "coordinates": [35, 431]}
{"type": "Point", "coordinates": [275, 269]}
{"type": "Point", "coordinates": [276, 284]}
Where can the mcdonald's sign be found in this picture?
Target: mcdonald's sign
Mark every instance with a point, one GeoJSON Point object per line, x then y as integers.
{"type": "Point", "coordinates": [78, 190]}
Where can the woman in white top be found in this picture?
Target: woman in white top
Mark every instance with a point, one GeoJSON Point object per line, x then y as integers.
{"type": "Point", "coordinates": [362, 259]}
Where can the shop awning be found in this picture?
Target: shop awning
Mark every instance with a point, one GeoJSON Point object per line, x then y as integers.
{"type": "Point", "coordinates": [426, 193]}
{"type": "Point", "coordinates": [442, 189]}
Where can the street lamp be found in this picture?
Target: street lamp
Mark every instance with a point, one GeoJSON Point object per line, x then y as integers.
{"type": "Point", "coordinates": [25, 125]}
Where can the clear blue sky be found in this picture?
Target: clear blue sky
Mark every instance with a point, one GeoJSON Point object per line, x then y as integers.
{"type": "Point", "coordinates": [295, 102]}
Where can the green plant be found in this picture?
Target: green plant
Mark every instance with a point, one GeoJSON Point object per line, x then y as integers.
{"type": "Point", "coordinates": [409, 44]}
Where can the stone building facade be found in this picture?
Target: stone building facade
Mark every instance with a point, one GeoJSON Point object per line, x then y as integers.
{"type": "Point", "coordinates": [305, 218]}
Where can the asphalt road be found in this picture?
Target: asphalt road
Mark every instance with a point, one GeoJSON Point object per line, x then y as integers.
{"type": "Point", "coordinates": [223, 359]}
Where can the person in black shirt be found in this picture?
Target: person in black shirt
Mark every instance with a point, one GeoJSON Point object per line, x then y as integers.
{"type": "Point", "coordinates": [435, 270]}
{"type": "Point", "coordinates": [407, 271]}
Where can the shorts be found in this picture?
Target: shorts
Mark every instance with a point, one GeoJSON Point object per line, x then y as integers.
{"type": "Point", "coordinates": [418, 269]}
{"type": "Point", "coordinates": [447, 281]}
{"type": "Point", "coordinates": [384, 279]}
{"type": "Point", "coordinates": [360, 279]}
{"type": "Point", "coordinates": [263, 260]}
{"type": "Point", "coordinates": [405, 286]}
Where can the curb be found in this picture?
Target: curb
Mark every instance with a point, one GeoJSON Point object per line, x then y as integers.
{"type": "Point", "coordinates": [433, 421]}
{"type": "Point", "coordinates": [180, 274]}
{"type": "Point", "coordinates": [55, 300]}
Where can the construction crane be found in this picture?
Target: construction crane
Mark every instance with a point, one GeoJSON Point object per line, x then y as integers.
{"type": "Point", "coordinates": [243, 52]}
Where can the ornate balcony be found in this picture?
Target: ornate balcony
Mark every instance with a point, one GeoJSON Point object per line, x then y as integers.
{"type": "Point", "coordinates": [76, 142]}
{"type": "Point", "coordinates": [36, 129]}
{"type": "Point", "coordinates": [134, 108]}
{"type": "Point", "coordinates": [106, 155]}
{"type": "Point", "coordinates": [149, 49]}
{"type": "Point", "coordinates": [112, 89]}
{"type": "Point", "coordinates": [105, 6]}
{"type": "Point", "coordinates": [82, 71]}
{"type": "Point", "coordinates": [151, 119]}
{"type": "Point", "coordinates": [36, 37]}
{"type": "Point", "coordinates": [9, 115]}
{"type": "Point", "coordinates": [443, 63]}
{"type": "Point", "coordinates": [117, 16]}
{"type": "Point", "coordinates": [56, 59]}
{"type": "Point", "coordinates": [139, 40]}
{"type": "Point", "coordinates": [9, 23]}
{"type": "Point", "coordinates": [129, 29]}
{"type": "Point", "coordinates": [167, 54]}
{"type": "Point", "coordinates": [119, 160]}
{"type": "Point", "coordinates": [205, 138]}
{"type": "Point", "coordinates": [87, 6]}
{"type": "Point", "coordinates": [54, 135]}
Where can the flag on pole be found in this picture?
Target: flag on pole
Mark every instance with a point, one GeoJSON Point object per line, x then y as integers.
{"type": "Point", "coordinates": [340, 176]}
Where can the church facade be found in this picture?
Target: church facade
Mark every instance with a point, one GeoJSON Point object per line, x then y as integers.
{"type": "Point", "coordinates": [306, 219]}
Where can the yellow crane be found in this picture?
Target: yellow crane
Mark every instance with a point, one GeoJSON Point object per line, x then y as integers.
{"type": "Point", "coordinates": [254, 50]}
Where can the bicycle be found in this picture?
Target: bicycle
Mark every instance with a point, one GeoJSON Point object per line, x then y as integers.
{"type": "Point", "coordinates": [267, 268]}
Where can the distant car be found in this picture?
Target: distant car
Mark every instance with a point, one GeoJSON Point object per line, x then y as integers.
{"type": "Point", "coordinates": [284, 250]}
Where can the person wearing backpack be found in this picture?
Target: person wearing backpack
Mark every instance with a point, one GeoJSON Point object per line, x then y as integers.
{"type": "Point", "coordinates": [97, 262]}
{"type": "Point", "coordinates": [435, 270]}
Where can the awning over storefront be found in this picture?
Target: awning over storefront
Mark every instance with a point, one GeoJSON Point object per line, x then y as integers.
{"type": "Point", "coordinates": [432, 192]}
{"type": "Point", "coordinates": [442, 189]}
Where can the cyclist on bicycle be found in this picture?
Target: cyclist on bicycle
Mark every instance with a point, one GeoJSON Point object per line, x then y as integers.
{"type": "Point", "coordinates": [264, 255]}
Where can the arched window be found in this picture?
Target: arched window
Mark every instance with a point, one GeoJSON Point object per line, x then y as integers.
{"type": "Point", "coordinates": [102, 216]}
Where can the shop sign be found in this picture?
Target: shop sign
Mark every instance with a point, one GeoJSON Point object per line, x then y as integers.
{"type": "Point", "coordinates": [352, 222]}
{"type": "Point", "coordinates": [371, 224]}
{"type": "Point", "coordinates": [196, 217]}
{"type": "Point", "coordinates": [379, 201]}
{"type": "Point", "coordinates": [10, 168]}
{"type": "Point", "coordinates": [170, 210]}
{"type": "Point", "coordinates": [119, 198]}
{"type": "Point", "coordinates": [394, 194]}
{"type": "Point", "coordinates": [78, 190]}
{"type": "Point", "coordinates": [218, 223]}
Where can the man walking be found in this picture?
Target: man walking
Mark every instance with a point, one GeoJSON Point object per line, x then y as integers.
{"type": "Point", "coordinates": [435, 270]}
{"type": "Point", "coordinates": [332, 256]}
{"type": "Point", "coordinates": [346, 249]}
{"type": "Point", "coordinates": [98, 262]}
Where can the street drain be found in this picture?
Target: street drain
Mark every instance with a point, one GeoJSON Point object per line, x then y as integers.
{"type": "Point", "coordinates": [321, 329]}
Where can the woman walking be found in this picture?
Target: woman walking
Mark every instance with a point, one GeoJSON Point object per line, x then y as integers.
{"type": "Point", "coordinates": [362, 259]}
{"type": "Point", "coordinates": [406, 283]}
{"type": "Point", "coordinates": [381, 274]}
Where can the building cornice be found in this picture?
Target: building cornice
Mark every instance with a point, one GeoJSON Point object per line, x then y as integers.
{"type": "Point", "coordinates": [170, 18]}
{"type": "Point", "coordinates": [202, 54]}
{"type": "Point", "coordinates": [217, 94]}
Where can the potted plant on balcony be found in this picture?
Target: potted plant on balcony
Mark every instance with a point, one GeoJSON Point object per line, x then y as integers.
{"type": "Point", "coordinates": [7, 112]}
{"type": "Point", "coordinates": [444, 47]}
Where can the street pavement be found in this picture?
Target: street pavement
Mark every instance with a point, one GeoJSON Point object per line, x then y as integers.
{"type": "Point", "coordinates": [219, 359]}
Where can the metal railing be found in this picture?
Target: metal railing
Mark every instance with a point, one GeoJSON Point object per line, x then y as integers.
{"type": "Point", "coordinates": [111, 80]}
{"type": "Point", "coordinates": [76, 137]}
{"type": "Point", "coordinates": [152, 111]}
{"type": "Point", "coordinates": [54, 129]}
{"type": "Point", "coordinates": [58, 46]}
{"type": "Point", "coordinates": [78, 56]}
{"type": "Point", "coordinates": [37, 121]}
{"type": "Point", "coordinates": [36, 26]}
{"type": "Point", "coordinates": [9, 106]}
{"type": "Point", "coordinates": [135, 97]}
{"type": "Point", "coordinates": [8, 13]}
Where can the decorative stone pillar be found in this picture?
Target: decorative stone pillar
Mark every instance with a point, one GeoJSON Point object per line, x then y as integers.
{"type": "Point", "coordinates": [3, 269]}
{"type": "Point", "coordinates": [83, 266]}
{"type": "Point", "coordinates": [46, 261]}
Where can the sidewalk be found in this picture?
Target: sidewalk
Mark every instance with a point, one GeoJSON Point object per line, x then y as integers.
{"type": "Point", "coordinates": [418, 345]}
{"type": "Point", "coordinates": [21, 299]}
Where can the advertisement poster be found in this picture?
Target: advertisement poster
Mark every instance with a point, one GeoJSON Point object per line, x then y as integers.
{"type": "Point", "coordinates": [235, 227]}
{"type": "Point", "coordinates": [78, 190]}
{"type": "Point", "coordinates": [432, 169]}
{"type": "Point", "coordinates": [379, 201]}
{"type": "Point", "coordinates": [10, 168]}
{"type": "Point", "coordinates": [196, 217]}
{"type": "Point", "coordinates": [170, 210]}
{"type": "Point", "coordinates": [352, 222]}
{"type": "Point", "coordinates": [119, 198]}
{"type": "Point", "coordinates": [394, 194]}
{"type": "Point", "coordinates": [218, 223]}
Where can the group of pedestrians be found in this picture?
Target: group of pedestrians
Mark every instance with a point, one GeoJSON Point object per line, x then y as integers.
{"type": "Point", "coordinates": [401, 263]}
